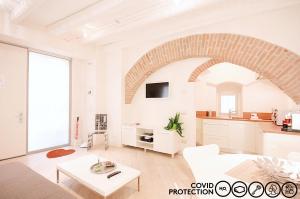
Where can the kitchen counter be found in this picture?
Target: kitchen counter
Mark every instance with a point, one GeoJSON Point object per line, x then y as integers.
{"type": "Point", "coordinates": [267, 126]}
{"type": "Point", "coordinates": [272, 128]}
{"type": "Point", "coordinates": [246, 136]}
{"type": "Point", "coordinates": [233, 119]}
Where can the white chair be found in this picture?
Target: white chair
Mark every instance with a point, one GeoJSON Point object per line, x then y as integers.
{"type": "Point", "coordinates": [294, 156]}
{"type": "Point", "coordinates": [197, 156]}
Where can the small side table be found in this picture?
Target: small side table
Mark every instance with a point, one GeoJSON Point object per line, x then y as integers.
{"type": "Point", "coordinates": [91, 138]}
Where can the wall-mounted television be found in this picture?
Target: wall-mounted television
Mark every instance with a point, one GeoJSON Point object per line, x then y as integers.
{"type": "Point", "coordinates": [157, 90]}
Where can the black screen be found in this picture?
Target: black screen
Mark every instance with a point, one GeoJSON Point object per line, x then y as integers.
{"type": "Point", "coordinates": [157, 90]}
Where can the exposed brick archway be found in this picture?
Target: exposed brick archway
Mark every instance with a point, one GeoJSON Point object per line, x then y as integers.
{"type": "Point", "coordinates": [203, 67]}
{"type": "Point", "coordinates": [279, 65]}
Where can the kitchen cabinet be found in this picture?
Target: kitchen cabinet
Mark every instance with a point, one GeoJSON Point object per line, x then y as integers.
{"type": "Point", "coordinates": [280, 145]}
{"type": "Point", "coordinates": [242, 136]}
{"type": "Point", "coordinates": [215, 132]}
{"type": "Point", "coordinates": [199, 135]}
{"type": "Point", "coordinates": [248, 137]}
{"type": "Point", "coordinates": [231, 136]}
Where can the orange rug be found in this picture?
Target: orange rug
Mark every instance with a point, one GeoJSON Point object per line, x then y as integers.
{"type": "Point", "coordinates": [59, 152]}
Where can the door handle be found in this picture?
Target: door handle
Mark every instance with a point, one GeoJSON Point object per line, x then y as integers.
{"type": "Point", "coordinates": [20, 117]}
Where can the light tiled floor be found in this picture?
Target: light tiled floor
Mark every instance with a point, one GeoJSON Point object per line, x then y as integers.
{"type": "Point", "coordinates": [159, 172]}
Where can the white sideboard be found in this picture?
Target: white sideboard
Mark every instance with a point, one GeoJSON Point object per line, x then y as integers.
{"type": "Point", "coordinates": [163, 141]}
{"type": "Point", "coordinates": [129, 135]}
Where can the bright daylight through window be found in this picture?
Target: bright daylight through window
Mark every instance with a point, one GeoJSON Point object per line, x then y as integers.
{"type": "Point", "coordinates": [228, 103]}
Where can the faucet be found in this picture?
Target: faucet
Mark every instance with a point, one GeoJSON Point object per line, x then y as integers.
{"type": "Point", "coordinates": [229, 114]}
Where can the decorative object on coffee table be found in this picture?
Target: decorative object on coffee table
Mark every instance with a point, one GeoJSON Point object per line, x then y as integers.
{"type": "Point", "coordinates": [278, 170]}
{"type": "Point", "coordinates": [103, 167]}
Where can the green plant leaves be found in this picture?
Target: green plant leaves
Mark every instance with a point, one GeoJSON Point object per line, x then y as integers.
{"type": "Point", "coordinates": [174, 124]}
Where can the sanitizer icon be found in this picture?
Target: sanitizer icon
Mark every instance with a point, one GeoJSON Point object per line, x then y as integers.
{"type": "Point", "coordinates": [289, 189]}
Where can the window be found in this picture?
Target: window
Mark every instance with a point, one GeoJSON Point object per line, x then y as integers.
{"type": "Point", "coordinates": [48, 114]}
{"type": "Point", "coordinates": [228, 103]}
{"type": "Point", "coordinates": [229, 99]}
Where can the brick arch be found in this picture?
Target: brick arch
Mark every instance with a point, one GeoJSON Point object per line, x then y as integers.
{"type": "Point", "coordinates": [279, 65]}
{"type": "Point", "coordinates": [203, 67]}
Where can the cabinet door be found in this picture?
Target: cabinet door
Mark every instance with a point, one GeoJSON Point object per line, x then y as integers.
{"type": "Point", "coordinates": [166, 142]}
{"type": "Point", "coordinates": [280, 145]}
{"type": "Point", "coordinates": [199, 132]}
{"type": "Point", "coordinates": [222, 142]}
{"type": "Point", "coordinates": [242, 137]}
{"type": "Point", "coordinates": [216, 128]}
{"type": "Point", "coordinates": [215, 133]}
{"type": "Point", "coordinates": [129, 136]}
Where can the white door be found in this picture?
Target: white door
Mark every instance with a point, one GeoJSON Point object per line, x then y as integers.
{"type": "Point", "coordinates": [13, 88]}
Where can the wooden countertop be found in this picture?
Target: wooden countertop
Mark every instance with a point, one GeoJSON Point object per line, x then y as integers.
{"type": "Point", "coordinates": [233, 119]}
{"type": "Point", "coordinates": [272, 128]}
{"type": "Point", "coordinates": [267, 126]}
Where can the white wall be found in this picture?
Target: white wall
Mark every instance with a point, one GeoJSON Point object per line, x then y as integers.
{"type": "Point", "coordinates": [278, 26]}
{"type": "Point", "coordinates": [112, 62]}
{"type": "Point", "coordinates": [262, 96]}
{"type": "Point", "coordinates": [83, 103]}
{"type": "Point", "coordinates": [109, 90]}
{"type": "Point", "coordinates": [257, 95]}
{"type": "Point", "coordinates": [84, 69]}
{"type": "Point", "coordinates": [155, 112]}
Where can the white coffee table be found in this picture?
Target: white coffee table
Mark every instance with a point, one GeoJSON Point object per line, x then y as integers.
{"type": "Point", "coordinates": [79, 169]}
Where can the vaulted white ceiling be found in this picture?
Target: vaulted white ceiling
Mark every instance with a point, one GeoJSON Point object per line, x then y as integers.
{"type": "Point", "coordinates": [107, 21]}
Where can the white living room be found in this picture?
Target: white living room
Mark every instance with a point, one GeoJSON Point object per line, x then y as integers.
{"type": "Point", "coordinates": [149, 99]}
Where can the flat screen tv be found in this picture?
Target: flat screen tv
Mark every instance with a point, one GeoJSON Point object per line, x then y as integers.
{"type": "Point", "coordinates": [157, 90]}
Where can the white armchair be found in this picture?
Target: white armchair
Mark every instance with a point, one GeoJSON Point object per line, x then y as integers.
{"type": "Point", "coordinates": [197, 156]}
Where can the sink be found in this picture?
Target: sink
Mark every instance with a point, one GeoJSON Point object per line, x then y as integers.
{"type": "Point", "coordinates": [238, 118]}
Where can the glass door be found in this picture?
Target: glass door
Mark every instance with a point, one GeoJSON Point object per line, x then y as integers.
{"type": "Point", "coordinates": [48, 106]}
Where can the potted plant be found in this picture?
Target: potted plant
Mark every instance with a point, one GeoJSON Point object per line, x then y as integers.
{"type": "Point", "coordinates": [175, 125]}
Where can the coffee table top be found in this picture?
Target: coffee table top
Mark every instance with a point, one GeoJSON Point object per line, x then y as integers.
{"type": "Point", "coordinates": [79, 169]}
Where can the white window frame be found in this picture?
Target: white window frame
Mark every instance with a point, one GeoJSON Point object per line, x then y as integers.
{"type": "Point", "coordinates": [236, 103]}
{"type": "Point", "coordinates": [235, 90]}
